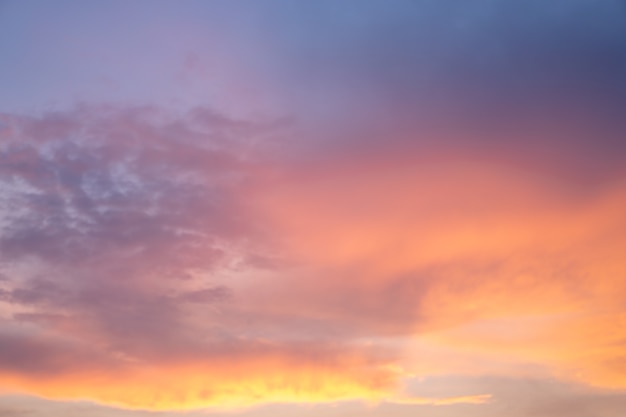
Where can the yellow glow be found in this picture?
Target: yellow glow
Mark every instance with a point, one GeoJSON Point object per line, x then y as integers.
{"type": "Point", "coordinates": [232, 385]}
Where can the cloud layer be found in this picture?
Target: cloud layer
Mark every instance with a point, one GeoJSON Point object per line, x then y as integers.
{"type": "Point", "coordinates": [348, 199]}
{"type": "Point", "coordinates": [170, 262]}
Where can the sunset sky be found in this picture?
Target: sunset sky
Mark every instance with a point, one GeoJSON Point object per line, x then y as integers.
{"type": "Point", "coordinates": [297, 208]}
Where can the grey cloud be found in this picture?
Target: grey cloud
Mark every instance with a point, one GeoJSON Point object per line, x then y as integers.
{"type": "Point", "coordinates": [207, 295]}
{"type": "Point", "coordinates": [117, 225]}
{"type": "Point", "coordinates": [27, 354]}
{"type": "Point", "coordinates": [109, 208]}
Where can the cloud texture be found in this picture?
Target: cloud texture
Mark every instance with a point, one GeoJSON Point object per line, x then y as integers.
{"type": "Point", "coordinates": [406, 205]}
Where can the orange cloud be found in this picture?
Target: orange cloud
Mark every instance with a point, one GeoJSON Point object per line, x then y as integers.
{"type": "Point", "coordinates": [489, 260]}
{"type": "Point", "coordinates": [221, 383]}
{"type": "Point", "coordinates": [234, 281]}
{"type": "Point", "coordinates": [471, 399]}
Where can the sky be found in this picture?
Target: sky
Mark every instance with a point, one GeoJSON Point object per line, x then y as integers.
{"type": "Point", "coordinates": [356, 208]}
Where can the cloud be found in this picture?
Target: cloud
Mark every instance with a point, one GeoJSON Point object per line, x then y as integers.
{"type": "Point", "coordinates": [155, 261]}
{"type": "Point", "coordinates": [442, 244]}
{"type": "Point", "coordinates": [44, 356]}
{"type": "Point", "coordinates": [126, 237]}
{"type": "Point", "coordinates": [473, 399]}
{"type": "Point", "coordinates": [9, 412]}
{"type": "Point", "coordinates": [234, 375]}
{"type": "Point", "coordinates": [441, 196]}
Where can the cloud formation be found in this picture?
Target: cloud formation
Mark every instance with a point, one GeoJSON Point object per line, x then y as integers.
{"type": "Point", "coordinates": [137, 246]}
{"type": "Point", "coordinates": [438, 194]}
{"type": "Point", "coordinates": [122, 234]}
